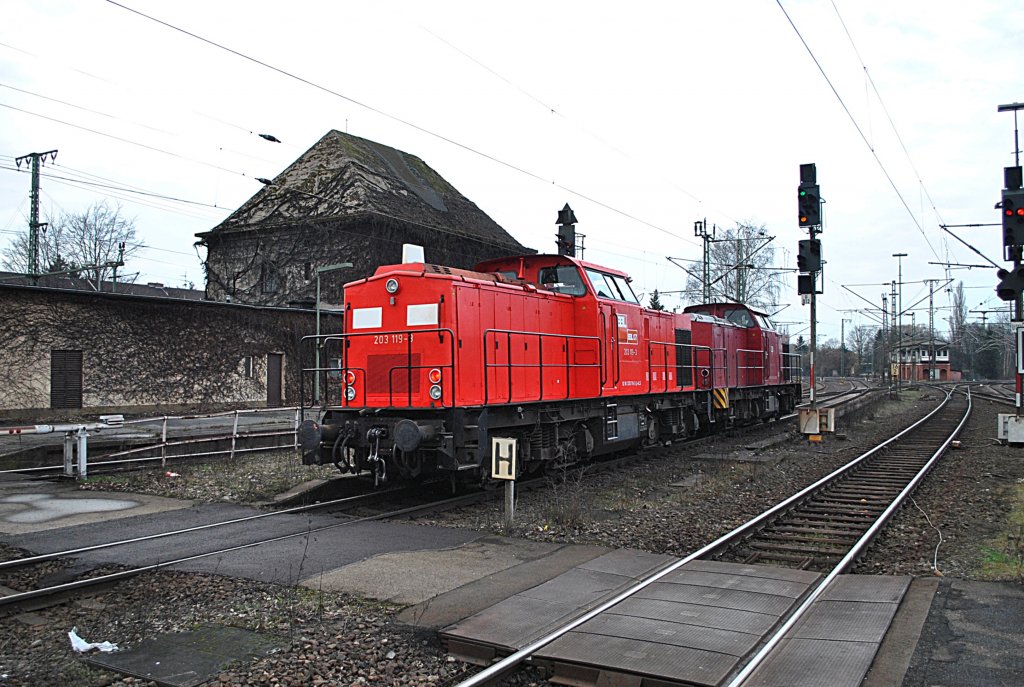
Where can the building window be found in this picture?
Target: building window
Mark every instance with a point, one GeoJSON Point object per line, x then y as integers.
{"type": "Point", "coordinates": [270, 278]}
{"type": "Point", "coordinates": [65, 379]}
{"type": "Point", "coordinates": [247, 371]}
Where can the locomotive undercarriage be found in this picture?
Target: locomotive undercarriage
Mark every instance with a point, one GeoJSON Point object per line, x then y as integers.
{"type": "Point", "coordinates": [455, 443]}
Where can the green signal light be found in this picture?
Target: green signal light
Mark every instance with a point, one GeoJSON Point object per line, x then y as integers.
{"type": "Point", "coordinates": [803, 193]}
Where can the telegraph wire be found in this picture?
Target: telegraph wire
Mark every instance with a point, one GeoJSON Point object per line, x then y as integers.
{"type": "Point", "coordinates": [557, 113]}
{"type": "Point", "coordinates": [892, 124]}
{"type": "Point", "coordinates": [856, 126]}
{"type": "Point", "coordinates": [888, 116]}
{"type": "Point", "coordinates": [87, 183]}
{"type": "Point", "coordinates": [404, 122]}
{"type": "Point", "coordinates": [84, 109]}
{"type": "Point", "coordinates": [125, 140]}
{"type": "Point", "coordinates": [135, 93]}
{"type": "Point", "coordinates": [85, 186]}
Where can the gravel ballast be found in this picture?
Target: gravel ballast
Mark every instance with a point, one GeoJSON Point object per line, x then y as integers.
{"type": "Point", "coordinates": [336, 639]}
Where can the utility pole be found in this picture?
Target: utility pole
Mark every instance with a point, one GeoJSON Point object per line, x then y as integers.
{"type": "Point", "coordinates": [842, 346]}
{"type": "Point", "coordinates": [700, 229]}
{"type": "Point", "coordinates": [887, 353]}
{"type": "Point", "coordinates": [931, 328]}
{"type": "Point", "coordinates": [899, 347]}
{"type": "Point", "coordinates": [740, 273]}
{"type": "Point", "coordinates": [894, 356]}
{"type": "Point", "coordinates": [34, 225]}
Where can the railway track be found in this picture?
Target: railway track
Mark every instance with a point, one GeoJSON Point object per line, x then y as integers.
{"type": "Point", "coordinates": [820, 528]}
{"type": "Point", "coordinates": [58, 593]}
{"type": "Point", "coordinates": [998, 393]}
{"type": "Point", "coordinates": [829, 524]}
{"type": "Point", "coordinates": [361, 507]}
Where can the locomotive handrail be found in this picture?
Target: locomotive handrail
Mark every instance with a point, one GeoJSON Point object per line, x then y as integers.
{"type": "Point", "coordinates": [789, 368]}
{"type": "Point", "coordinates": [693, 366]}
{"type": "Point", "coordinates": [759, 353]}
{"type": "Point", "coordinates": [724, 352]}
{"type": "Point", "coordinates": [407, 338]}
{"type": "Point", "coordinates": [615, 345]}
{"type": "Point", "coordinates": [540, 365]}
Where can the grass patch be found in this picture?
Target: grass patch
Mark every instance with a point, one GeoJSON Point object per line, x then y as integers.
{"type": "Point", "coordinates": [1003, 555]}
{"type": "Point", "coordinates": [245, 479]}
{"type": "Point", "coordinates": [891, 407]}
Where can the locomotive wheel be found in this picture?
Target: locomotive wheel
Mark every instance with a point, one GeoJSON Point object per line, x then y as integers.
{"type": "Point", "coordinates": [653, 430]}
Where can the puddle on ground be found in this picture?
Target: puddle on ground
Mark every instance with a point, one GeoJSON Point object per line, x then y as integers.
{"type": "Point", "coordinates": [45, 508]}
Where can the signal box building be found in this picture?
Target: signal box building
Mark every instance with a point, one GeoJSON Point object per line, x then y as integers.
{"type": "Point", "coordinates": [345, 200]}
{"type": "Point", "coordinates": [917, 363]}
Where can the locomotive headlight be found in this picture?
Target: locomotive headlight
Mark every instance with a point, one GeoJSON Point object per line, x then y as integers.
{"type": "Point", "coordinates": [391, 285]}
{"type": "Point", "coordinates": [434, 376]}
{"type": "Point", "coordinates": [435, 392]}
{"type": "Point", "coordinates": [350, 393]}
{"type": "Point", "coordinates": [350, 378]}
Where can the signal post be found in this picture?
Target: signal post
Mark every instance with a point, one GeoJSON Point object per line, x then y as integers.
{"type": "Point", "coordinates": [813, 421]}
{"type": "Point", "coordinates": [1011, 282]}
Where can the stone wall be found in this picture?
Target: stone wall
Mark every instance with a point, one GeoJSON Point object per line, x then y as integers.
{"type": "Point", "coordinates": [143, 354]}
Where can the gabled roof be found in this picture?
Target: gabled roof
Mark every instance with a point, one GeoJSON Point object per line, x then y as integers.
{"type": "Point", "coordinates": [347, 177]}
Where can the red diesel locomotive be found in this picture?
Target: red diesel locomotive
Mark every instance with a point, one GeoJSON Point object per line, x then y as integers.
{"type": "Point", "coordinates": [553, 354]}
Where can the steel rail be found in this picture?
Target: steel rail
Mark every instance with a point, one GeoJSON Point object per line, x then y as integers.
{"type": "Point", "coordinates": [512, 661]}
{"type": "Point", "coordinates": [14, 599]}
{"type": "Point", "coordinates": [850, 557]}
{"type": "Point", "coordinates": [40, 558]}
{"type": "Point", "coordinates": [348, 500]}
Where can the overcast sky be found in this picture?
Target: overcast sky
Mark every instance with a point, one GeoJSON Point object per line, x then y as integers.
{"type": "Point", "coordinates": [643, 116]}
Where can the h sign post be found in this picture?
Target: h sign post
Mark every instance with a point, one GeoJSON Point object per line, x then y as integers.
{"type": "Point", "coordinates": [503, 466]}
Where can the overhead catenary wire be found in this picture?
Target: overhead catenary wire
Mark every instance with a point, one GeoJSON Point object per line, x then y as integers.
{"type": "Point", "coordinates": [168, 102]}
{"type": "Point", "coordinates": [96, 184]}
{"type": "Point", "coordinates": [892, 124]}
{"type": "Point", "coordinates": [404, 122]}
{"type": "Point", "coordinates": [126, 140]}
{"type": "Point", "coordinates": [853, 120]}
{"type": "Point", "coordinates": [556, 112]}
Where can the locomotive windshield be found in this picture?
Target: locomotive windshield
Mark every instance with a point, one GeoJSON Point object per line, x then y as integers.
{"type": "Point", "coordinates": [562, 279]}
{"type": "Point", "coordinates": [740, 316]}
{"type": "Point", "coordinates": [611, 286]}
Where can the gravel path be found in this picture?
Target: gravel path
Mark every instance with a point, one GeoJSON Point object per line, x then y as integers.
{"type": "Point", "coordinates": [335, 639]}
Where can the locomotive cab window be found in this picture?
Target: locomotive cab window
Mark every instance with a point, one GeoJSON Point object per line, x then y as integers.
{"type": "Point", "coordinates": [610, 286]}
{"type": "Point", "coordinates": [740, 317]}
{"type": "Point", "coordinates": [562, 279]}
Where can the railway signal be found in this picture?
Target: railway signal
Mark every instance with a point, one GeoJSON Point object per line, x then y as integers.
{"type": "Point", "coordinates": [809, 204]}
{"type": "Point", "coordinates": [1013, 217]}
{"type": "Point", "coordinates": [808, 255]}
{"type": "Point", "coordinates": [1011, 284]}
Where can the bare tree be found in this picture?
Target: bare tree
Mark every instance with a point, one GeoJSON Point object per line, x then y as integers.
{"type": "Point", "coordinates": [860, 342]}
{"type": "Point", "coordinates": [961, 349]}
{"type": "Point", "coordinates": [87, 242]}
{"type": "Point", "coordinates": [741, 269]}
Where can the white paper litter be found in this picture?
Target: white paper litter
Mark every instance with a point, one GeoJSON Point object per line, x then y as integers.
{"type": "Point", "coordinates": [81, 646]}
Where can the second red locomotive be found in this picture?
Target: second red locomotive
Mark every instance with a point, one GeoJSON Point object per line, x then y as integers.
{"type": "Point", "coordinates": [553, 354]}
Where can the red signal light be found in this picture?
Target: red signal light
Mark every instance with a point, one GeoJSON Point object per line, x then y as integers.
{"type": "Point", "coordinates": [1020, 212]}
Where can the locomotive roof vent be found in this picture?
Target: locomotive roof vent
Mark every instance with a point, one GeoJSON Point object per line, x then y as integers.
{"type": "Point", "coordinates": [412, 253]}
{"type": "Point", "coordinates": [441, 269]}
